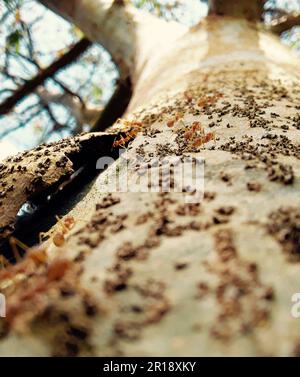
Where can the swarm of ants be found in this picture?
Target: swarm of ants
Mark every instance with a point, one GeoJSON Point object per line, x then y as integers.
{"type": "Point", "coordinates": [34, 256]}
{"type": "Point", "coordinates": [197, 136]}
{"type": "Point", "coordinates": [56, 235]}
{"type": "Point", "coordinates": [134, 128]}
{"type": "Point", "coordinates": [195, 133]}
{"type": "Point", "coordinates": [209, 100]}
{"type": "Point", "coordinates": [192, 134]}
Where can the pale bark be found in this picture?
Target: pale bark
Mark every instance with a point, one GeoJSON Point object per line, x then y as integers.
{"type": "Point", "coordinates": [128, 34]}
{"type": "Point", "coordinates": [147, 274]}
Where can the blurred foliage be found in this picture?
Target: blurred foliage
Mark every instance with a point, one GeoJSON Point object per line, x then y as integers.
{"type": "Point", "coordinates": [31, 38]}
{"type": "Point", "coordinates": [185, 11]}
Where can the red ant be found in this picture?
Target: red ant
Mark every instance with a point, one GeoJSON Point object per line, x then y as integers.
{"type": "Point", "coordinates": [3, 262]}
{"type": "Point", "coordinates": [35, 253]}
{"type": "Point", "coordinates": [58, 236]}
{"type": "Point", "coordinates": [209, 99]}
{"type": "Point", "coordinates": [196, 126]}
{"type": "Point", "coordinates": [204, 139]}
{"type": "Point", "coordinates": [188, 96]}
{"type": "Point", "coordinates": [178, 116]}
{"type": "Point", "coordinates": [197, 141]}
{"type": "Point", "coordinates": [129, 135]}
{"type": "Point", "coordinates": [11, 275]}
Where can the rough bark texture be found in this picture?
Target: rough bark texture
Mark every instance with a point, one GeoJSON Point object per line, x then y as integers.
{"type": "Point", "coordinates": [149, 274]}
{"type": "Point", "coordinates": [42, 170]}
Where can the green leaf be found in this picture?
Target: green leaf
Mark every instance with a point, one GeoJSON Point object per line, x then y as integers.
{"type": "Point", "coordinates": [14, 38]}
{"type": "Point", "coordinates": [97, 91]}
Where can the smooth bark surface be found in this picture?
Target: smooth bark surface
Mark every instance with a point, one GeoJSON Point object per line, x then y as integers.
{"type": "Point", "coordinates": [128, 34]}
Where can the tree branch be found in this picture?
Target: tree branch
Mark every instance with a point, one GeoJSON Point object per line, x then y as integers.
{"type": "Point", "coordinates": [32, 84]}
{"type": "Point", "coordinates": [284, 23]}
{"type": "Point", "coordinates": [251, 10]}
{"type": "Point", "coordinates": [115, 107]}
{"type": "Point", "coordinates": [82, 113]}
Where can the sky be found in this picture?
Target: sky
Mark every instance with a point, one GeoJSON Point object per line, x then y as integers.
{"type": "Point", "coordinates": [52, 36]}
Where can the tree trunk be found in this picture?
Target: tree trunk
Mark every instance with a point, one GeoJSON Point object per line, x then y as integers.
{"type": "Point", "coordinates": [150, 274]}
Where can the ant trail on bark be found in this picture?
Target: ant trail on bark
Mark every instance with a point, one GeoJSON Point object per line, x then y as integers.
{"type": "Point", "coordinates": [130, 134]}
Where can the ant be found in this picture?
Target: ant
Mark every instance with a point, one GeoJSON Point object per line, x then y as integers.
{"type": "Point", "coordinates": [209, 99]}
{"type": "Point", "coordinates": [14, 244]}
{"type": "Point", "coordinates": [3, 262]}
{"type": "Point", "coordinates": [178, 116]}
{"type": "Point", "coordinates": [36, 253]}
{"type": "Point", "coordinates": [192, 134]}
{"type": "Point", "coordinates": [196, 126]}
{"type": "Point", "coordinates": [129, 135]}
{"type": "Point", "coordinates": [188, 96]}
{"type": "Point", "coordinates": [124, 140]}
{"type": "Point", "coordinates": [58, 237]}
{"type": "Point", "coordinates": [12, 274]}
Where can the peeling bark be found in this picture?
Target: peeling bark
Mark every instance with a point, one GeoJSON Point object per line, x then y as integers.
{"type": "Point", "coordinates": [40, 171]}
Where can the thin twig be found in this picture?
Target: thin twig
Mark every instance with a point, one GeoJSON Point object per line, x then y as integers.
{"type": "Point", "coordinates": [285, 23]}
{"type": "Point", "coordinates": [32, 84]}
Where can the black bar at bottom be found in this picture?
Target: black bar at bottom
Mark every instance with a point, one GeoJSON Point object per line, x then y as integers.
{"type": "Point", "coordinates": [146, 366]}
